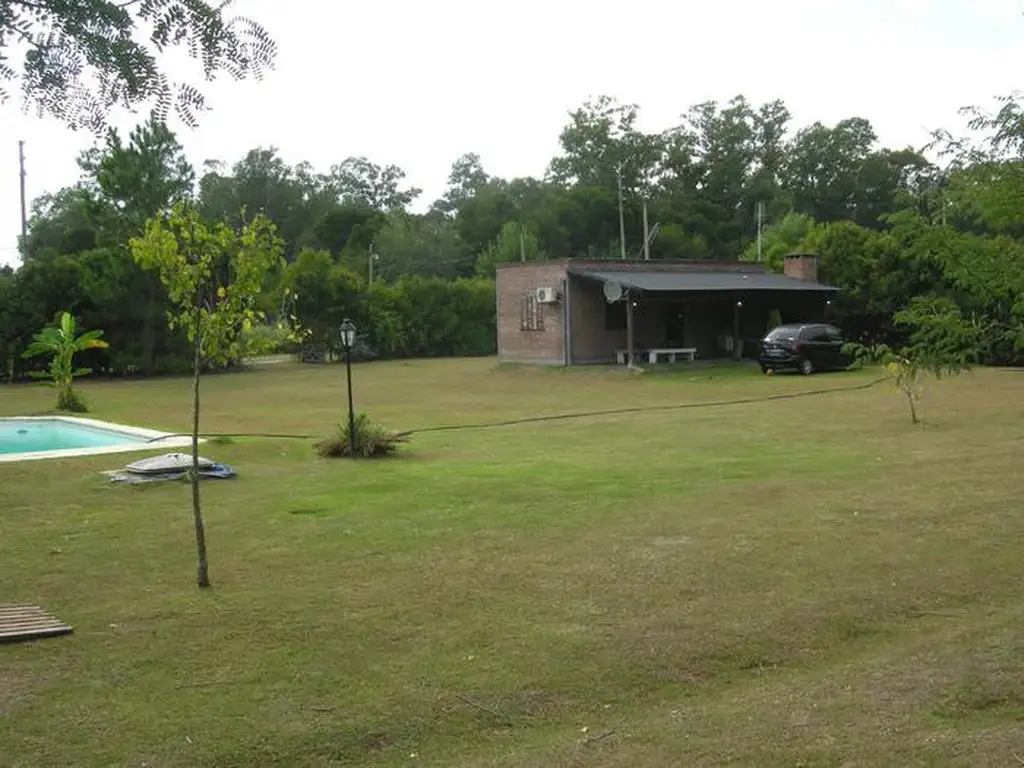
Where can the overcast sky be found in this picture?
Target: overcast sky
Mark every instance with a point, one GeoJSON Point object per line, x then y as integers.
{"type": "Point", "coordinates": [419, 83]}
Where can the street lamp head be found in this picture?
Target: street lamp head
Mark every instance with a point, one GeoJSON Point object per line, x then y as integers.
{"type": "Point", "coordinates": [347, 332]}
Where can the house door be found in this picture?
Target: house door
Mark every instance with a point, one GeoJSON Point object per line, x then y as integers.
{"type": "Point", "coordinates": [675, 325]}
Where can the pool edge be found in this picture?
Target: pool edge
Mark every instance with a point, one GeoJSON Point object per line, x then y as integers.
{"type": "Point", "coordinates": [169, 441]}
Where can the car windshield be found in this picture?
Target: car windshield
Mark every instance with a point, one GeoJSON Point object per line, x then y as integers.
{"type": "Point", "coordinates": [783, 333]}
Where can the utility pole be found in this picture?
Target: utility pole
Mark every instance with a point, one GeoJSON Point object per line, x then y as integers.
{"type": "Point", "coordinates": [24, 215]}
{"type": "Point", "coordinates": [522, 246]}
{"type": "Point", "coordinates": [760, 216]}
{"type": "Point", "coordinates": [647, 236]}
{"type": "Point", "coordinates": [622, 219]}
{"type": "Point", "coordinates": [372, 258]}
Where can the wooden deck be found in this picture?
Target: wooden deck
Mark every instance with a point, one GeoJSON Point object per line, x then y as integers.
{"type": "Point", "coordinates": [28, 622]}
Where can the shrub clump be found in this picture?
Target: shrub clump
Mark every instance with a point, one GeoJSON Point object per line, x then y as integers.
{"type": "Point", "coordinates": [370, 440]}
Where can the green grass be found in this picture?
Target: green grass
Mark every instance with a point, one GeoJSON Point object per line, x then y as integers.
{"type": "Point", "coordinates": [808, 581]}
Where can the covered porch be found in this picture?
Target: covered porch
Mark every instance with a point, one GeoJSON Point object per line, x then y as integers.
{"type": "Point", "coordinates": [653, 317]}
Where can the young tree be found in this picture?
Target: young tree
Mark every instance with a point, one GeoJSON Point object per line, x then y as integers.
{"type": "Point", "coordinates": [79, 58]}
{"type": "Point", "coordinates": [62, 342]}
{"type": "Point", "coordinates": [943, 342]}
{"type": "Point", "coordinates": [213, 276]}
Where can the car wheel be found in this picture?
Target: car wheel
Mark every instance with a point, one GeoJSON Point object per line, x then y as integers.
{"type": "Point", "coordinates": [806, 368]}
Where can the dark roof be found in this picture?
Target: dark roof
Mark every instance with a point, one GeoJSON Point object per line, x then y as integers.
{"type": "Point", "coordinates": [702, 280]}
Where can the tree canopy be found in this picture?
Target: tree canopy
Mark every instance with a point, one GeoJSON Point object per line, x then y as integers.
{"type": "Point", "coordinates": [888, 223]}
{"type": "Point", "coordinates": [75, 59]}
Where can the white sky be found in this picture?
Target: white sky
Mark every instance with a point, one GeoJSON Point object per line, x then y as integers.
{"type": "Point", "coordinates": [417, 84]}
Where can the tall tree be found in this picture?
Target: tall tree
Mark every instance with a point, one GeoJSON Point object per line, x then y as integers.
{"type": "Point", "coordinates": [467, 177]}
{"type": "Point", "coordinates": [823, 166]}
{"type": "Point", "coordinates": [148, 174]}
{"type": "Point", "coordinates": [420, 245]}
{"type": "Point", "coordinates": [601, 141]}
{"type": "Point", "coordinates": [139, 179]}
{"type": "Point", "coordinates": [357, 180]}
{"type": "Point", "coordinates": [260, 182]}
{"type": "Point", "coordinates": [770, 126]}
{"type": "Point", "coordinates": [724, 140]}
{"type": "Point", "coordinates": [71, 220]}
{"type": "Point", "coordinates": [348, 229]}
{"type": "Point", "coordinates": [481, 217]}
{"type": "Point", "coordinates": [79, 58]}
{"type": "Point", "coordinates": [887, 181]}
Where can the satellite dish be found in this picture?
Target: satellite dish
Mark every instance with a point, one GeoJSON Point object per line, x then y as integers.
{"type": "Point", "coordinates": [614, 291]}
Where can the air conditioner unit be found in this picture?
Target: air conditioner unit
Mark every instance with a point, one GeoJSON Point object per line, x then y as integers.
{"type": "Point", "coordinates": [547, 296]}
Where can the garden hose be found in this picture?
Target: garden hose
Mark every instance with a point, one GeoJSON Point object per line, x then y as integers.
{"type": "Point", "coordinates": [561, 416]}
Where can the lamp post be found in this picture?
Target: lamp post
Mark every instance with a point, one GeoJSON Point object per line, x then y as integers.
{"type": "Point", "coordinates": [348, 339]}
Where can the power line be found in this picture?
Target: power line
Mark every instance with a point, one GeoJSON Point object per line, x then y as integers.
{"type": "Point", "coordinates": [653, 408]}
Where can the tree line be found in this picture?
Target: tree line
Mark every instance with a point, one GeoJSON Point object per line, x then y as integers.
{"type": "Point", "coordinates": [894, 229]}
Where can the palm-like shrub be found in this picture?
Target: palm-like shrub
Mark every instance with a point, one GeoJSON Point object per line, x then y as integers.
{"type": "Point", "coordinates": [370, 440]}
{"type": "Point", "coordinates": [61, 342]}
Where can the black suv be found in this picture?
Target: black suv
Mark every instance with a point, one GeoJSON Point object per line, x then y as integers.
{"type": "Point", "coordinates": [805, 347]}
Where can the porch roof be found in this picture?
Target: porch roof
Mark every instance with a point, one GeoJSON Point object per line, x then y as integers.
{"type": "Point", "coordinates": [701, 280]}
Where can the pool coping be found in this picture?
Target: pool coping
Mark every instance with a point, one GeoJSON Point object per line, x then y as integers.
{"type": "Point", "coordinates": [125, 429]}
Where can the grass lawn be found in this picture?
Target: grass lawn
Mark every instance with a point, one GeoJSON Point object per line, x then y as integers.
{"type": "Point", "coordinates": [806, 581]}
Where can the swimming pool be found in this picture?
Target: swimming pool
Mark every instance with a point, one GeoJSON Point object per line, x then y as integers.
{"type": "Point", "coordinates": [52, 437]}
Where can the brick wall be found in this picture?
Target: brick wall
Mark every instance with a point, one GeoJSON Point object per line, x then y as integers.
{"type": "Point", "coordinates": [801, 267]}
{"type": "Point", "coordinates": [589, 341]}
{"type": "Point", "coordinates": [513, 283]}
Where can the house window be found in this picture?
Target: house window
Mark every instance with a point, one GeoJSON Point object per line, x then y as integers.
{"type": "Point", "coordinates": [615, 316]}
{"type": "Point", "coordinates": [530, 316]}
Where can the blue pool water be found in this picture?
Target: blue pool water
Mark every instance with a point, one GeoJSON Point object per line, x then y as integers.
{"type": "Point", "coordinates": [32, 435]}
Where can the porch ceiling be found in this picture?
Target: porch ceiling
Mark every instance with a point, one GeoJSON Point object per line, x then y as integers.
{"type": "Point", "coordinates": [702, 280]}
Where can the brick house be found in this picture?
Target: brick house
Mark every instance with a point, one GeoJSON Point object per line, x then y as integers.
{"type": "Point", "coordinates": [578, 311]}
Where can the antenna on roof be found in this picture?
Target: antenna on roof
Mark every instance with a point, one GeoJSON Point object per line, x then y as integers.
{"type": "Point", "coordinates": [648, 239]}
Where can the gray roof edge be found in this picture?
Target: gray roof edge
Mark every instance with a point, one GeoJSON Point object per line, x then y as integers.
{"type": "Point", "coordinates": [624, 275]}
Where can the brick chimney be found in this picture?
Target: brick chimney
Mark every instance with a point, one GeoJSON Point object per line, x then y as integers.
{"type": "Point", "coordinates": [802, 266]}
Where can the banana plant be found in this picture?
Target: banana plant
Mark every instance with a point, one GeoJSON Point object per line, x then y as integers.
{"type": "Point", "coordinates": [63, 344]}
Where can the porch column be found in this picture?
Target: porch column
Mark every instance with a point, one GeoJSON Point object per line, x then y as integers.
{"type": "Point", "coordinates": [736, 351]}
{"type": "Point", "coordinates": [629, 329]}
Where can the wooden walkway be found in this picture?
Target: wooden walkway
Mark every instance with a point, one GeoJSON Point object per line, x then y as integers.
{"type": "Point", "coordinates": [28, 622]}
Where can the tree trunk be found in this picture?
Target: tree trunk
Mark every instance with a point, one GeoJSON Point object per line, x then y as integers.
{"type": "Point", "coordinates": [203, 572]}
{"type": "Point", "coordinates": [149, 321]}
{"type": "Point", "coordinates": [913, 408]}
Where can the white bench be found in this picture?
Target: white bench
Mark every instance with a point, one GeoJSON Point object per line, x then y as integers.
{"type": "Point", "coordinates": [689, 353]}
